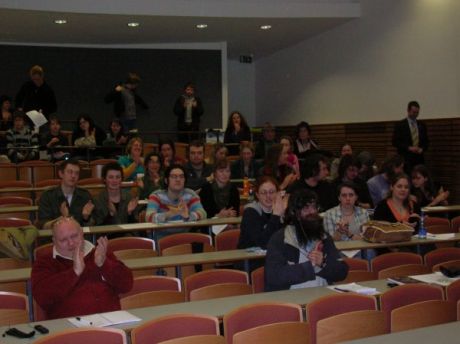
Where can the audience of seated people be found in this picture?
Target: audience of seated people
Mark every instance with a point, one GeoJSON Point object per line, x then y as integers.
{"type": "Point", "coordinates": [276, 166]}
{"type": "Point", "coordinates": [300, 248]}
{"type": "Point", "coordinates": [298, 243]}
{"type": "Point", "coordinates": [114, 205]}
{"type": "Point", "coordinates": [246, 165]}
{"type": "Point", "coordinates": [237, 131]}
{"type": "Point", "coordinates": [153, 177]}
{"type": "Point", "coordinates": [133, 162]}
{"type": "Point", "coordinates": [198, 171]}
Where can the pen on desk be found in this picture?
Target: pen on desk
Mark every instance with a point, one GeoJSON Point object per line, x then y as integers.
{"type": "Point", "coordinates": [80, 319]}
{"type": "Point", "coordinates": [342, 290]}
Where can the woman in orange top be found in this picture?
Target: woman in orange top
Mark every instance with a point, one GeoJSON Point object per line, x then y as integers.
{"type": "Point", "coordinates": [398, 207]}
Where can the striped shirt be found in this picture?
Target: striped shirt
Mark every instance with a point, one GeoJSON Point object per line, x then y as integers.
{"type": "Point", "coordinates": [159, 202]}
{"type": "Point", "coordinates": [22, 138]}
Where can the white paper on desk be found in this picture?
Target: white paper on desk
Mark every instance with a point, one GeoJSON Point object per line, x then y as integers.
{"type": "Point", "coordinates": [350, 253]}
{"type": "Point", "coordinates": [354, 287]}
{"type": "Point", "coordinates": [135, 226]}
{"type": "Point", "coordinates": [435, 278]}
{"type": "Point", "coordinates": [443, 236]}
{"type": "Point", "coordinates": [104, 319]}
{"type": "Point", "coordinates": [37, 118]}
{"type": "Point", "coordinates": [216, 229]}
{"type": "Point", "coordinates": [86, 230]}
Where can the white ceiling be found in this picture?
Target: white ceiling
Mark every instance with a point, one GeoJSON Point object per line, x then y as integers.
{"type": "Point", "coordinates": [237, 22]}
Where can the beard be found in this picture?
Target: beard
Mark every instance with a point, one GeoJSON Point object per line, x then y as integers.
{"type": "Point", "coordinates": [309, 229]}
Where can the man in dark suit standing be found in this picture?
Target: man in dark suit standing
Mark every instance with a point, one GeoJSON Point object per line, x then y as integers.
{"type": "Point", "coordinates": [410, 138]}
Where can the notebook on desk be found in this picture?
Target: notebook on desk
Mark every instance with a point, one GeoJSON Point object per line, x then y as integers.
{"type": "Point", "coordinates": [400, 280]}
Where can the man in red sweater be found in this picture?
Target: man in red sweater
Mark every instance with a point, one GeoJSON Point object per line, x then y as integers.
{"type": "Point", "coordinates": [78, 278]}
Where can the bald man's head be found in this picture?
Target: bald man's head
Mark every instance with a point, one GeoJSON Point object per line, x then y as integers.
{"type": "Point", "coordinates": [67, 236]}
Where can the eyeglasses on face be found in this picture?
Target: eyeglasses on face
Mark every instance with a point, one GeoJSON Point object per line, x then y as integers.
{"type": "Point", "coordinates": [177, 176]}
{"type": "Point", "coordinates": [267, 192]}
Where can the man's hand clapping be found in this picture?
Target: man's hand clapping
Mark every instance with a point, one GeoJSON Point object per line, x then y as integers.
{"type": "Point", "coordinates": [101, 251]}
{"type": "Point", "coordinates": [79, 259]}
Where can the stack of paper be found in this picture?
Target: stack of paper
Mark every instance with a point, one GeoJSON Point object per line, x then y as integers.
{"type": "Point", "coordinates": [435, 278]}
{"type": "Point", "coordinates": [104, 319]}
{"type": "Point", "coordinates": [355, 288]}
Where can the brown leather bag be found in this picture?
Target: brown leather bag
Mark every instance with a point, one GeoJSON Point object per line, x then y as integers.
{"type": "Point", "coordinates": [384, 232]}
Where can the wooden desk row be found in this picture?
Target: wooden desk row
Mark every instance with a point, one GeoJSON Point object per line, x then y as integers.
{"type": "Point", "coordinates": [11, 190]}
{"type": "Point", "coordinates": [34, 208]}
{"type": "Point", "coordinates": [22, 275]}
{"type": "Point", "coordinates": [148, 226]}
{"type": "Point", "coordinates": [216, 307]}
{"type": "Point", "coordinates": [445, 333]}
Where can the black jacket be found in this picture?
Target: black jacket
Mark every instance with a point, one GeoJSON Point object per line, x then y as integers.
{"type": "Point", "coordinates": [402, 140]}
{"type": "Point", "coordinates": [282, 268]}
{"type": "Point", "coordinates": [207, 200]}
{"type": "Point", "coordinates": [31, 97]}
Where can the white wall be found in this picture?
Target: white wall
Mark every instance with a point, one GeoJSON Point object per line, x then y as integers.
{"type": "Point", "coordinates": [367, 69]}
{"type": "Point", "coordinates": [241, 89]}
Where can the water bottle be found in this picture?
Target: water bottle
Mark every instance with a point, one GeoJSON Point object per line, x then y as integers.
{"type": "Point", "coordinates": [422, 229]}
{"type": "Point", "coordinates": [245, 187]}
{"type": "Point", "coordinates": [251, 194]}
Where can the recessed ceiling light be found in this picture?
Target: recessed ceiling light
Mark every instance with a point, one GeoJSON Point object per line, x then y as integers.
{"type": "Point", "coordinates": [133, 24]}
{"type": "Point", "coordinates": [202, 26]}
{"type": "Point", "coordinates": [60, 21]}
{"type": "Point", "coordinates": [266, 27]}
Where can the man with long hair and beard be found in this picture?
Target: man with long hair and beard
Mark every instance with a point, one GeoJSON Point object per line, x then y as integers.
{"type": "Point", "coordinates": [302, 254]}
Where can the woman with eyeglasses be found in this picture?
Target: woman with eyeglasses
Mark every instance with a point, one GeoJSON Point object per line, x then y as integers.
{"type": "Point", "coordinates": [262, 217]}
